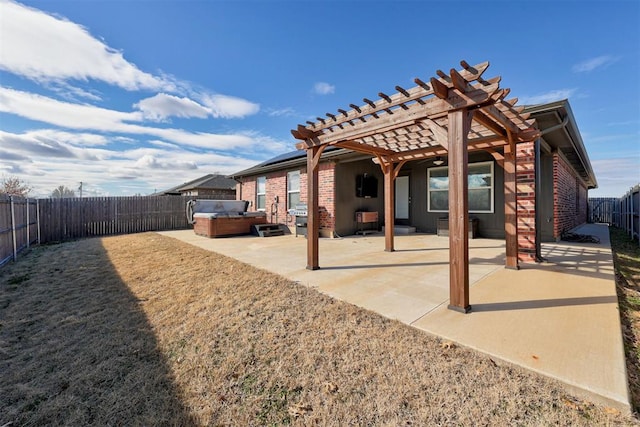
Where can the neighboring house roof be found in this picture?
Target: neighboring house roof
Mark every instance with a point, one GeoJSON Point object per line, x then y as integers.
{"type": "Point", "coordinates": [560, 131]}
{"type": "Point", "coordinates": [554, 119]}
{"type": "Point", "coordinates": [209, 181]}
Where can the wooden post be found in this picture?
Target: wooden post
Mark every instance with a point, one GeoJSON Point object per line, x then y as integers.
{"type": "Point", "coordinates": [14, 228]}
{"type": "Point", "coordinates": [459, 125]}
{"type": "Point", "coordinates": [510, 208]}
{"type": "Point", "coordinates": [389, 208]}
{"type": "Point", "coordinates": [313, 213]}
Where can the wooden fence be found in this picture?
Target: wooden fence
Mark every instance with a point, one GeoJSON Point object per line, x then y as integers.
{"type": "Point", "coordinates": [27, 221]}
{"type": "Point", "coordinates": [18, 226]}
{"type": "Point", "coordinates": [623, 212]}
{"type": "Point", "coordinates": [628, 213]}
{"type": "Point", "coordinates": [602, 209]}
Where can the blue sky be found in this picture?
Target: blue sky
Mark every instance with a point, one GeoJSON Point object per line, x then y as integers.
{"type": "Point", "coordinates": [133, 96]}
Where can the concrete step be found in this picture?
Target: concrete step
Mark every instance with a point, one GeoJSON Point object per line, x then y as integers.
{"type": "Point", "coordinates": [402, 229]}
{"type": "Point", "coordinates": [269, 230]}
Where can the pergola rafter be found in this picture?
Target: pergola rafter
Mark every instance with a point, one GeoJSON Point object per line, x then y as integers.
{"type": "Point", "coordinates": [451, 115]}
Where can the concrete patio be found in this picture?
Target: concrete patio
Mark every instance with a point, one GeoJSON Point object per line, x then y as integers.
{"type": "Point", "coordinates": [559, 318]}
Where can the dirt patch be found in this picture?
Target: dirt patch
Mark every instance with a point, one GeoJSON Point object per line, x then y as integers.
{"type": "Point", "coordinates": [146, 330]}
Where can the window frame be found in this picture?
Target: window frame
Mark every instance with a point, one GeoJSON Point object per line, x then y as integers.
{"type": "Point", "coordinates": [491, 188]}
{"type": "Point", "coordinates": [289, 191]}
{"type": "Point", "coordinates": [263, 194]}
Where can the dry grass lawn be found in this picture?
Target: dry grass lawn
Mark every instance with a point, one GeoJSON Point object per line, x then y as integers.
{"type": "Point", "coordinates": [145, 330]}
{"type": "Point", "coordinates": [627, 264]}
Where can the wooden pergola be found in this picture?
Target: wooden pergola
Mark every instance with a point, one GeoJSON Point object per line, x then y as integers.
{"type": "Point", "coordinates": [451, 115]}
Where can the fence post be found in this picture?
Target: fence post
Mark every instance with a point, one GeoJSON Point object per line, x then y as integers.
{"type": "Point", "coordinates": [28, 225]}
{"type": "Point", "coordinates": [38, 218]}
{"type": "Point", "coordinates": [13, 229]}
{"type": "Point", "coordinates": [633, 213]}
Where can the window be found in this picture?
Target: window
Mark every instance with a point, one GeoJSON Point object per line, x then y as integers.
{"type": "Point", "coordinates": [293, 189]}
{"type": "Point", "coordinates": [261, 192]}
{"type": "Point", "coordinates": [480, 188]}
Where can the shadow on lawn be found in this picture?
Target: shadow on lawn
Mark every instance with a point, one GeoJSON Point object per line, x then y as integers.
{"type": "Point", "coordinates": [76, 347]}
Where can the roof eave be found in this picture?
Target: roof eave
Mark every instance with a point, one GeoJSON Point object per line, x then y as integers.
{"type": "Point", "coordinates": [298, 161]}
{"type": "Point", "coordinates": [574, 137]}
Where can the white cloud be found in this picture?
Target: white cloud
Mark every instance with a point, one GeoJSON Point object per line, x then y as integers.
{"type": "Point", "coordinates": [33, 43]}
{"type": "Point", "coordinates": [164, 144]}
{"type": "Point", "coordinates": [34, 145]}
{"type": "Point", "coordinates": [149, 161]}
{"type": "Point", "coordinates": [81, 138]}
{"type": "Point", "coordinates": [551, 96]}
{"type": "Point", "coordinates": [228, 107]}
{"type": "Point", "coordinates": [593, 63]}
{"type": "Point", "coordinates": [283, 112]}
{"type": "Point", "coordinates": [103, 169]}
{"type": "Point", "coordinates": [162, 106]}
{"type": "Point", "coordinates": [66, 114]}
{"type": "Point", "coordinates": [322, 88]}
{"type": "Point", "coordinates": [76, 116]}
{"type": "Point", "coordinates": [73, 93]}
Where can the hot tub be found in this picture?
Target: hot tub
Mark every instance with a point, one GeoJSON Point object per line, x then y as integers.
{"type": "Point", "coordinates": [218, 224]}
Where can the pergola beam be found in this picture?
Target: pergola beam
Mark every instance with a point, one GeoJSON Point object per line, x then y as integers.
{"type": "Point", "coordinates": [415, 112]}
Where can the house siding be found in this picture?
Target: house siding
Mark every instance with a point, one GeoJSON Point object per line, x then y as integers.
{"type": "Point", "coordinates": [569, 196]}
{"type": "Point", "coordinates": [491, 225]}
{"type": "Point", "coordinates": [345, 195]}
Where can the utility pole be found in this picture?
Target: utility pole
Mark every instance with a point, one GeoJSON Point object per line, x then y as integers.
{"type": "Point", "coordinates": [80, 189]}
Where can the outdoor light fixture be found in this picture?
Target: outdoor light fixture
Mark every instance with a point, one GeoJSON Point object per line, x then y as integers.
{"type": "Point", "coordinates": [438, 161]}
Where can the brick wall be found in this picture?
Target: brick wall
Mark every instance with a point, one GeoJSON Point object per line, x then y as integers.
{"type": "Point", "coordinates": [277, 186]}
{"type": "Point", "coordinates": [526, 204]}
{"type": "Point", "coordinates": [569, 197]}
{"type": "Point", "coordinates": [246, 190]}
{"type": "Point", "coordinates": [327, 195]}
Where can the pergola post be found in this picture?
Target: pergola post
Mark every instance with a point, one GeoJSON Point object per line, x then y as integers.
{"type": "Point", "coordinates": [390, 174]}
{"type": "Point", "coordinates": [313, 212]}
{"type": "Point", "coordinates": [389, 206]}
{"type": "Point", "coordinates": [459, 125]}
{"type": "Point", "coordinates": [510, 208]}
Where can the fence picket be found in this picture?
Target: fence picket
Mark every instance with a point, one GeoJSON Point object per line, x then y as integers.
{"type": "Point", "coordinates": [623, 212]}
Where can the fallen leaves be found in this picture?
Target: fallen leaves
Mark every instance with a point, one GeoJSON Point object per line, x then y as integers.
{"type": "Point", "coordinates": [330, 387]}
{"type": "Point", "coordinates": [447, 345]}
{"type": "Point", "coordinates": [299, 410]}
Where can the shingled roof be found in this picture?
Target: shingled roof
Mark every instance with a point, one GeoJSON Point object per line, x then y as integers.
{"type": "Point", "coordinates": [209, 181]}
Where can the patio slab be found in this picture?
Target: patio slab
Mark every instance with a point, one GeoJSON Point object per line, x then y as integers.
{"type": "Point", "coordinates": [559, 318]}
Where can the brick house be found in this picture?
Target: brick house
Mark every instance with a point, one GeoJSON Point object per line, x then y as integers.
{"type": "Point", "coordinates": [553, 175]}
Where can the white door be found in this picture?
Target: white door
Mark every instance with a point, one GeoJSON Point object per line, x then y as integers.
{"type": "Point", "coordinates": [402, 198]}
